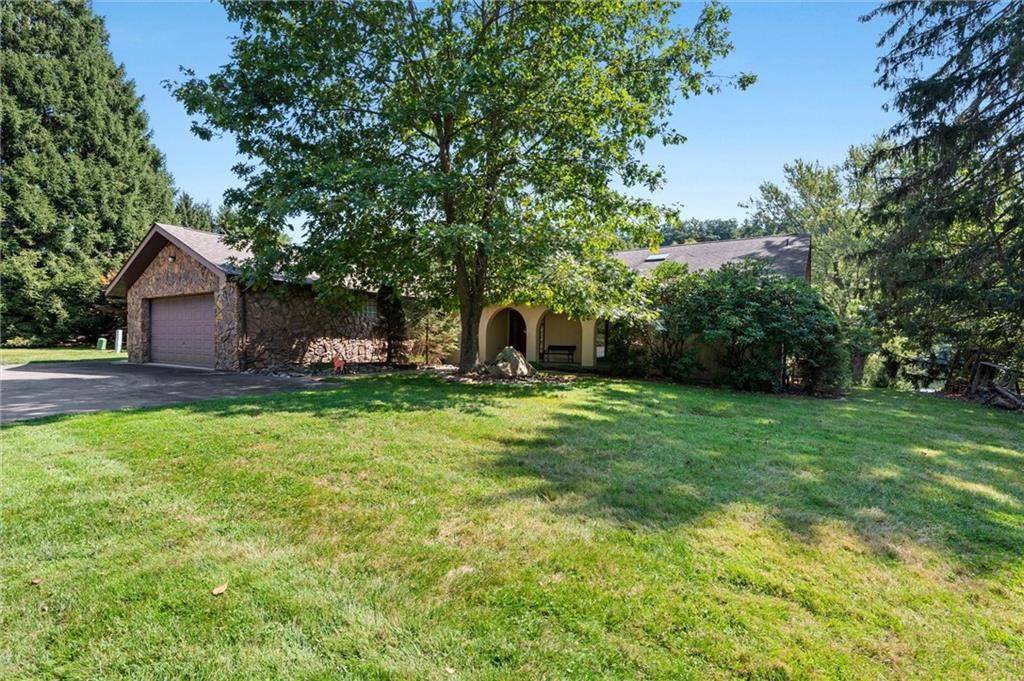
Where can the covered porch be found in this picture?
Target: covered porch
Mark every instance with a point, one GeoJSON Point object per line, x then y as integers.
{"type": "Point", "coordinates": [543, 336]}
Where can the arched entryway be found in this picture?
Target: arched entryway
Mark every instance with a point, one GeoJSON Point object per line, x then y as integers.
{"type": "Point", "coordinates": [559, 339]}
{"type": "Point", "coordinates": [505, 328]}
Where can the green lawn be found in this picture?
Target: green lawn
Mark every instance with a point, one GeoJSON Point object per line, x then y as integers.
{"type": "Point", "coordinates": [407, 527]}
{"type": "Point", "coordinates": [10, 356]}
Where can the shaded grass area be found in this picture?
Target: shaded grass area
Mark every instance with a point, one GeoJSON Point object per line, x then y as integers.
{"type": "Point", "coordinates": [9, 356]}
{"type": "Point", "coordinates": [410, 527]}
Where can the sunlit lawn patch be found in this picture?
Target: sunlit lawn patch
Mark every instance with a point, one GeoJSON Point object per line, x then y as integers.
{"type": "Point", "coordinates": [9, 356]}
{"type": "Point", "coordinates": [408, 527]}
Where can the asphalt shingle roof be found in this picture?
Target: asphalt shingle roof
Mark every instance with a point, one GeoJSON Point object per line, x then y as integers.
{"type": "Point", "coordinates": [789, 255]}
{"type": "Point", "coordinates": [209, 246]}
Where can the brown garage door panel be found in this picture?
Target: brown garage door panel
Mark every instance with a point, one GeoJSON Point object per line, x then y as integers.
{"type": "Point", "coordinates": [182, 330]}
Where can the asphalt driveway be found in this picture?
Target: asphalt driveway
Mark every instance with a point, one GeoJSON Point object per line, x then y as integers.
{"type": "Point", "coordinates": [33, 390]}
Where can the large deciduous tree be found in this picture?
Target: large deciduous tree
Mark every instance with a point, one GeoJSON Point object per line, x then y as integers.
{"type": "Point", "coordinates": [473, 149]}
{"type": "Point", "coordinates": [951, 259]}
{"type": "Point", "coordinates": [81, 180]}
{"type": "Point", "coordinates": [831, 203]}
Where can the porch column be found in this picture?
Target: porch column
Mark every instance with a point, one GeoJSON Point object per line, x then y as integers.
{"type": "Point", "coordinates": [532, 317]}
{"type": "Point", "coordinates": [588, 351]}
{"type": "Point", "coordinates": [485, 319]}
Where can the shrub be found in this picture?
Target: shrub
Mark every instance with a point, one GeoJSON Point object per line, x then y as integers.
{"type": "Point", "coordinates": [22, 342]}
{"type": "Point", "coordinates": [629, 342]}
{"type": "Point", "coordinates": [391, 323]}
{"type": "Point", "coordinates": [769, 329]}
{"type": "Point", "coordinates": [874, 372]}
{"type": "Point", "coordinates": [682, 367]}
{"type": "Point", "coordinates": [892, 365]}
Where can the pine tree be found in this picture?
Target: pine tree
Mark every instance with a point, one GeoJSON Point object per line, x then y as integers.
{"type": "Point", "coordinates": [81, 179]}
{"type": "Point", "coordinates": [950, 255]}
{"type": "Point", "coordinates": [191, 213]}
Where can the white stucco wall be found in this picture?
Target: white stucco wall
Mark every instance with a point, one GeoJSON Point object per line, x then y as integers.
{"type": "Point", "coordinates": [494, 337]}
{"type": "Point", "coordinates": [560, 330]}
{"type": "Point", "coordinates": [497, 335]}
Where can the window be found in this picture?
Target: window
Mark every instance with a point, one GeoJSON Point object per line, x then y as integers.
{"type": "Point", "coordinates": [370, 308]}
{"type": "Point", "coordinates": [601, 339]}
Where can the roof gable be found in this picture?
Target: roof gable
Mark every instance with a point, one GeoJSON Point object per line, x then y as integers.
{"type": "Point", "coordinates": [207, 248]}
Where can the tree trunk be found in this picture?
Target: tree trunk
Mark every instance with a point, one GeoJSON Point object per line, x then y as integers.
{"type": "Point", "coordinates": [857, 363]}
{"type": "Point", "coordinates": [470, 275]}
{"type": "Point", "coordinates": [952, 370]}
{"type": "Point", "coordinates": [469, 337]}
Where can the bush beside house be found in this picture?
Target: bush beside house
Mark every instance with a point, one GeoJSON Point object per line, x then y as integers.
{"type": "Point", "coordinates": [742, 325]}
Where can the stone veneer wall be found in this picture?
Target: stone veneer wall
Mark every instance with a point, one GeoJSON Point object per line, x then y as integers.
{"type": "Point", "coordinates": [184, 276]}
{"type": "Point", "coordinates": [289, 327]}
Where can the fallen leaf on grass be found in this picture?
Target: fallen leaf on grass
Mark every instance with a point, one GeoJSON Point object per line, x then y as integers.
{"type": "Point", "coordinates": [218, 590]}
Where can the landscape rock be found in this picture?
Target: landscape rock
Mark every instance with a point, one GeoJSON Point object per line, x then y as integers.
{"type": "Point", "coordinates": [510, 363]}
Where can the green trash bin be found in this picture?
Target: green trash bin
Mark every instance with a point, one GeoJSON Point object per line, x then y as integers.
{"type": "Point", "coordinates": [101, 343]}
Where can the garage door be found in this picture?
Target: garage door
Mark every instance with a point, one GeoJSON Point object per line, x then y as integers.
{"type": "Point", "coordinates": [182, 330]}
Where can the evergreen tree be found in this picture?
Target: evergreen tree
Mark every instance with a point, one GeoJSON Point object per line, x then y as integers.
{"type": "Point", "coordinates": [434, 332]}
{"type": "Point", "coordinates": [191, 213]}
{"type": "Point", "coordinates": [226, 220]}
{"type": "Point", "coordinates": [81, 180]}
{"type": "Point", "coordinates": [950, 255]}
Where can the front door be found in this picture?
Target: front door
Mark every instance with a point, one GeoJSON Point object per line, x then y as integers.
{"type": "Point", "coordinates": [517, 331]}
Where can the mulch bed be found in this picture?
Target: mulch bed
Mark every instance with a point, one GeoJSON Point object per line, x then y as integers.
{"type": "Point", "coordinates": [448, 373]}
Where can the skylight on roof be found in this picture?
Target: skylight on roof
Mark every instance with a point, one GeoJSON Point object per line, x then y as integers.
{"type": "Point", "coordinates": [656, 257]}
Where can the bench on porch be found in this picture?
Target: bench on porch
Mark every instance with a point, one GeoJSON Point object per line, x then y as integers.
{"type": "Point", "coordinates": [565, 353]}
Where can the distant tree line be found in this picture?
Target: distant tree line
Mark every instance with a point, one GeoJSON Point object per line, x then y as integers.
{"type": "Point", "coordinates": [694, 229]}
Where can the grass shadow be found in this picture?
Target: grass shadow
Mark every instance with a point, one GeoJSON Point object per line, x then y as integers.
{"type": "Point", "coordinates": [893, 468]}
{"type": "Point", "coordinates": [359, 395]}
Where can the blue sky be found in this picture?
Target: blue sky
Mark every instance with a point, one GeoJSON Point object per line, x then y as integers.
{"type": "Point", "coordinates": [814, 97]}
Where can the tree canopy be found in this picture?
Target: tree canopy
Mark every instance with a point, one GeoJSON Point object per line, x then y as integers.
{"type": "Point", "coordinates": [471, 149]}
{"type": "Point", "coordinates": [81, 180]}
{"type": "Point", "coordinates": [950, 255]}
{"type": "Point", "coordinates": [831, 203]}
{"type": "Point", "coordinates": [687, 231]}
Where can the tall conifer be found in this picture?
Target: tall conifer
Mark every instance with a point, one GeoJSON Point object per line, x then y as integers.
{"type": "Point", "coordinates": [81, 178]}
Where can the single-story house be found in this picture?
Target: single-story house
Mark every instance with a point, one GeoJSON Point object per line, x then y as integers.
{"type": "Point", "coordinates": [187, 305]}
{"type": "Point", "coordinates": [545, 336]}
